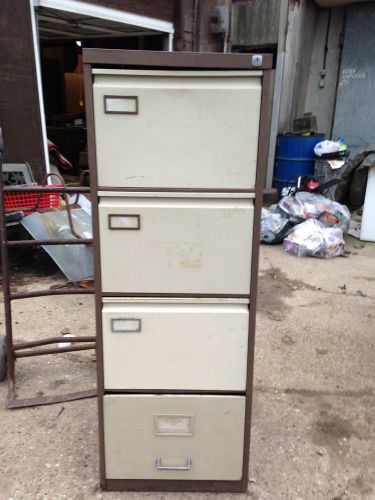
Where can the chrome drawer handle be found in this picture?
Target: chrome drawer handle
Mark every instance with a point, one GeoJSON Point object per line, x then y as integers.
{"type": "Point", "coordinates": [171, 467]}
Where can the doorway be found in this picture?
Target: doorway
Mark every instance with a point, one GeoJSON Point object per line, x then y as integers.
{"type": "Point", "coordinates": [61, 34]}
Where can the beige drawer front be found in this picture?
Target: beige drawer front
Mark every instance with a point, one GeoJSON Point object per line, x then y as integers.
{"type": "Point", "coordinates": [175, 245]}
{"type": "Point", "coordinates": [175, 346]}
{"type": "Point", "coordinates": [168, 130]}
{"type": "Point", "coordinates": [199, 437]}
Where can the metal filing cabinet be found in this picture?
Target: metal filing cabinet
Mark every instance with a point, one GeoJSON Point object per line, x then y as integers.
{"type": "Point", "coordinates": [175, 149]}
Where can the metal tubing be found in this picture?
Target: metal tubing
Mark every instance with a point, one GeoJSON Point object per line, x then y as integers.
{"type": "Point", "coordinates": [88, 81]}
{"type": "Point", "coordinates": [35, 243]}
{"type": "Point", "coordinates": [6, 288]}
{"type": "Point", "coordinates": [13, 403]}
{"type": "Point", "coordinates": [46, 293]}
{"type": "Point", "coordinates": [69, 213]}
{"type": "Point", "coordinates": [57, 350]}
{"type": "Point", "coordinates": [52, 340]}
{"type": "Point", "coordinates": [38, 189]}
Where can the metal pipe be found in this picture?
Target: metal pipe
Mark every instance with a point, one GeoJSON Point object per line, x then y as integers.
{"type": "Point", "coordinates": [327, 39]}
{"type": "Point", "coordinates": [57, 350]}
{"type": "Point", "coordinates": [70, 220]}
{"type": "Point", "coordinates": [66, 200]}
{"type": "Point", "coordinates": [40, 118]}
{"type": "Point", "coordinates": [6, 286]}
{"type": "Point", "coordinates": [52, 340]}
{"type": "Point", "coordinates": [13, 403]}
{"type": "Point", "coordinates": [34, 243]}
{"type": "Point", "coordinates": [46, 293]}
{"type": "Point", "coordinates": [341, 46]}
{"type": "Point", "coordinates": [39, 189]}
{"type": "Point", "coordinates": [195, 25]}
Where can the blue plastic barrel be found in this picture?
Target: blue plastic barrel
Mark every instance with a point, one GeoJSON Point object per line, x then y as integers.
{"type": "Point", "coordinates": [294, 157]}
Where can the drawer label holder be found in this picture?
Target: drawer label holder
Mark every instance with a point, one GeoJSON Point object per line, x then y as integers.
{"type": "Point", "coordinates": [174, 424]}
{"type": "Point", "coordinates": [121, 105]}
{"type": "Point", "coordinates": [127, 325]}
{"type": "Point", "coordinates": [124, 222]}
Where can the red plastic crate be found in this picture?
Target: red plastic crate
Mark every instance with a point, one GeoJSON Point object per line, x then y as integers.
{"type": "Point", "coordinates": [27, 202]}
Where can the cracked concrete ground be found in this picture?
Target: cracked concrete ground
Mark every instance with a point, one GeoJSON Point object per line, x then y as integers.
{"type": "Point", "coordinates": [313, 426]}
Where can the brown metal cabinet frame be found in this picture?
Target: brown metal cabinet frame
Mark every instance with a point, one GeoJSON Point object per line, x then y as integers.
{"type": "Point", "coordinates": [96, 58]}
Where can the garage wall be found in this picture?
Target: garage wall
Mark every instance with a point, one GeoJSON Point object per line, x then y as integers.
{"type": "Point", "coordinates": [205, 40]}
{"type": "Point", "coordinates": [255, 24]}
{"type": "Point", "coordinates": [19, 102]}
{"type": "Point", "coordinates": [321, 93]}
{"type": "Point", "coordinates": [299, 40]}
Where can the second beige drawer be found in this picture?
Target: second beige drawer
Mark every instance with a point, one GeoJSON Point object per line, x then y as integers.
{"type": "Point", "coordinates": [184, 245]}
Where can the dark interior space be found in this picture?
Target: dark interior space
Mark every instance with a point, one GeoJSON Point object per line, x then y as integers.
{"type": "Point", "coordinates": [63, 92]}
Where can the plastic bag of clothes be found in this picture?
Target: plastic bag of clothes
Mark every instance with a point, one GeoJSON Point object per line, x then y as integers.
{"type": "Point", "coordinates": [331, 149]}
{"type": "Point", "coordinates": [273, 225]}
{"type": "Point", "coordinates": [326, 147]}
{"type": "Point", "coordinates": [304, 206]}
{"type": "Point", "coordinates": [336, 215]}
{"type": "Point", "coordinates": [312, 238]}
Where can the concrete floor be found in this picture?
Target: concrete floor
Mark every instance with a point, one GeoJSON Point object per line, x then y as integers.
{"type": "Point", "coordinates": [314, 403]}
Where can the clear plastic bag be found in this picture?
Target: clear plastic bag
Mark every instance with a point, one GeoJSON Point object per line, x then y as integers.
{"type": "Point", "coordinates": [336, 215]}
{"type": "Point", "coordinates": [304, 206]}
{"type": "Point", "coordinates": [312, 238]}
{"type": "Point", "coordinates": [273, 226]}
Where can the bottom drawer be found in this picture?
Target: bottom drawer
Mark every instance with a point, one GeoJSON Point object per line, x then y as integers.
{"type": "Point", "coordinates": [174, 437]}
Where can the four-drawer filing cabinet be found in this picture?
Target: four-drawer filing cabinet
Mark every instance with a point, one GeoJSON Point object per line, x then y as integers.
{"type": "Point", "coordinates": [176, 150]}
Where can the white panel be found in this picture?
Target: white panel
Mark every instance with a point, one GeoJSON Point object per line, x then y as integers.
{"type": "Point", "coordinates": [368, 218]}
{"type": "Point", "coordinates": [183, 246]}
{"type": "Point", "coordinates": [196, 346]}
{"type": "Point", "coordinates": [212, 451]}
{"type": "Point", "coordinates": [190, 132]}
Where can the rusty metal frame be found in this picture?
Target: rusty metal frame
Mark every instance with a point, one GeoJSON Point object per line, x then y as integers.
{"type": "Point", "coordinates": [101, 58]}
{"type": "Point", "coordinates": [27, 349]}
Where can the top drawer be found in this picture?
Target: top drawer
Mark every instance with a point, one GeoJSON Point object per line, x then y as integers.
{"type": "Point", "coordinates": [168, 129]}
